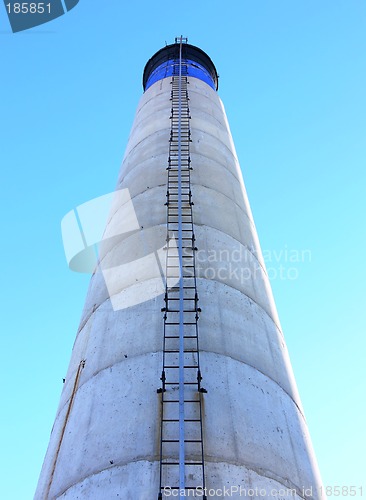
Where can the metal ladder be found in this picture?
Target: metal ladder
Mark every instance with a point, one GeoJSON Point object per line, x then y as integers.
{"type": "Point", "coordinates": [181, 436]}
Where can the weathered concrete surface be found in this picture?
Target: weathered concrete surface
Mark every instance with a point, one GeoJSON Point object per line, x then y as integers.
{"type": "Point", "coordinates": [105, 440]}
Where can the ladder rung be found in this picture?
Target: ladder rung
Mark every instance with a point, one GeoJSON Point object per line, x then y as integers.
{"type": "Point", "coordinates": [186, 487]}
{"type": "Point", "coordinates": [183, 193]}
{"type": "Point", "coordinates": [174, 211]}
{"type": "Point", "coordinates": [177, 440]}
{"type": "Point", "coordinates": [177, 267]}
{"type": "Point", "coordinates": [184, 336]}
{"type": "Point", "coordinates": [171, 351]}
{"type": "Point", "coordinates": [185, 247]}
{"type": "Point", "coordinates": [185, 366]}
{"type": "Point", "coordinates": [185, 323]}
{"type": "Point", "coordinates": [177, 383]}
{"type": "Point", "coordinates": [177, 463]}
{"type": "Point", "coordinates": [171, 216]}
{"type": "Point", "coordinates": [176, 288]}
{"type": "Point", "coordinates": [184, 298]}
{"type": "Point", "coordinates": [177, 420]}
{"type": "Point", "coordinates": [185, 310]}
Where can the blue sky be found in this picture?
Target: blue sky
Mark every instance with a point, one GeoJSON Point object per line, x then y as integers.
{"type": "Point", "coordinates": [293, 79]}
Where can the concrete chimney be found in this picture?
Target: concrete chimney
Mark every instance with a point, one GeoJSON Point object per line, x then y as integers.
{"type": "Point", "coordinates": [180, 383]}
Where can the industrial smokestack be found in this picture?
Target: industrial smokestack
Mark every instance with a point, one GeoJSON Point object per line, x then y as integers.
{"type": "Point", "coordinates": [179, 382]}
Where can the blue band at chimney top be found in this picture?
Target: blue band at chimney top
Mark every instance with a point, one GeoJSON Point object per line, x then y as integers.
{"type": "Point", "coordinates": [167, 69]}
{"type": "Point", "coordinates": [196, 64]}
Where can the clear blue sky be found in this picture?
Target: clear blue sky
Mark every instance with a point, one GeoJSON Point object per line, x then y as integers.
{"type": "Point", "coordinates": [293, 80]}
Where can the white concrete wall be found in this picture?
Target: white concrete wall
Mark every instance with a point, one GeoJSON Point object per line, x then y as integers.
{"type": "Point", "coordinates": [106, 432]}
